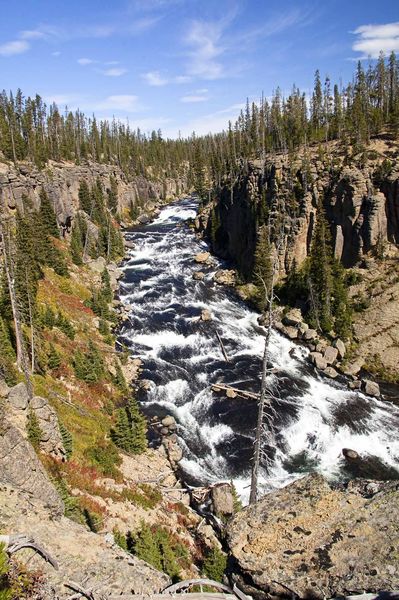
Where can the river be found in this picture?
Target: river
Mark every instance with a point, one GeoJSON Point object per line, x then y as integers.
{"type": "Point", "coordinates": [313, 418]}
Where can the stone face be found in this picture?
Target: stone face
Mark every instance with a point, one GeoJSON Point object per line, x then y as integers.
{"type": "Point", "coordinates": [20, 467]}
{"type": "Point", "coordinates": [330, 372]}
{"type": "Point", "coordinates": [371, 388]}
{"type": "Point", "coordinates": [202, 257]}
{"type": "Point", "coordinates": [330, 355]}
{"type": "Point", "coordinates": [351, 454]}
{"type": "Point", "coordinates": [340, 346]}
{"type": "Point", "coordinates": [318, 541]}
{"type": "Point", "coordinates": [206, 315]}
{"type": "Point", "coordinates": [293, 317]}
{"type": "Point", "coordinates": [51, 440]}
{"type": "Point", "coordinates": [198, 275]}
{"type": "Point", "coordinates": [97, 265]}
{"type": "Point", "coordinates": [222, 500]}
{"type": "Point", "coordinates": [318, 360]}
{"type": "Point", "coordinates": [169, 421]}
{"type": "Point", "coordinates": [18, 397]}
{"type": "Point", "coordinates": [291, 332]}
{"type": "Point", "coordinates": [310, 334]}
{"type": "Point", "coordinates": [225, 277]}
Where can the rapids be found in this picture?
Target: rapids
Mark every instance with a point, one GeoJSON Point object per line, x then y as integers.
{"type": "Point", "coordinates": [313, 418]}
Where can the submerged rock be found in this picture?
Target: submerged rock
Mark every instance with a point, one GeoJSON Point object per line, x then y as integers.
{"type": "Point", "coordinates": [316, 541]}
{"type": "Point", "coordinates": [225, 277]}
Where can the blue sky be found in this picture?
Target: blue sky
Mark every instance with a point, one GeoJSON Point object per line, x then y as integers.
{"type": "Point", "coordinates": [184, 65]}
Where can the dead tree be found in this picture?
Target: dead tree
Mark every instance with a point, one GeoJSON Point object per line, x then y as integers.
{"type": "Point", "coordinates": [9, 253]}
{"type": "Point", "coordinates": [265, 395]}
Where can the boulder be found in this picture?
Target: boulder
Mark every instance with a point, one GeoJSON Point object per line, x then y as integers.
{"type": "Point", "coordinates": [318, 360]}
{"type": "Point", "coordinates": [225, 277]}
{"type": "Point", "coordinates": [293, 318]}
{"type": "Point", "coordinates": [340, 346]}
{"type": "Point", "coordinates": [303, 328]}
{"type": "Point", "coordinates": [371, 388]}
{"type": "Point", "coordinates": [97, 265]}
{"type": "Point", "coordinates": [310, 334]}
{"type": "Point", "coordinates": [169, 422]}
{"type": "Point", "coordinates": [144, 219]}
{"type": "Point", "coordinates": [354, 368]}
{"type": "Point", "coordinates": [222, 500]}
{"type": "Point", "coordinates": [330, 372]}
{"type": "Point", "coordinates": [291, 332]}
{"type": "Point", "coordinates": [317, 541]}
{"type": "Point", "coordinates": [198, 275]}
{"type": "Point", "coordinates": [206, 315]}
{"type": "Point", "coordinates": [202, 257]}
{"type": "Point", "coordinates": [355, 385]}
{"type": "Point", "coordinates": [18, 397]}
{"type": "Point", "coordinates": [350, 454]}
{"type": "Point", "coordinates": [330, 355]}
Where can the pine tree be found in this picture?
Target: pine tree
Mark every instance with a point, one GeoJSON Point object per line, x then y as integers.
{"type": "Point", "coordinates": [66, 439]}
{"type": "Point", "coordinates": [33, 429]}
{"type": "Point", "coordinates": [214, 565]}
{"type": "Point", "coordinates": [47, 215]}
{"type": "Point", "coordinates": [262, 270]}
{"type": "Point", "coordinates": [121, 433]}
{"type": "Point", "coordinates": [53, 358]}
{"type": "Point", "coordinates": [106, 289]}
{"type": "Point", "coordinates": [138, 425]}
{"type": "Point", "coordinates": [320, 277]}
{"type": "Point", "coordinates": [85, 200]}
{"type": "Point", "coordinates": [76, 243]}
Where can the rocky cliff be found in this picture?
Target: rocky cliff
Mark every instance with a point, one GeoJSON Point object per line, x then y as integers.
{"type": "Point", "coordinates": [61, 181]}
{"type": "Point", "coordinates": [310, 540]}
{"type": "Point", "coordinates": [360, 194]}
{"type": "Point", "coordinates": [361, 199]}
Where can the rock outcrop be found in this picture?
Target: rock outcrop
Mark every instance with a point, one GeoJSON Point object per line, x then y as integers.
{"type": "Point", "coordinates": [18, 407]}
{"type": "Point", "coordinates": [311, 540]}
{"type": "Point", "coordinates": [21, 469]}
{"type": "Point", "coordinates": [61, 181]}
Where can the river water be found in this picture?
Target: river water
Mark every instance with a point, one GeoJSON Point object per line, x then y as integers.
{"type": "Point", "coordinates": [312, 418]}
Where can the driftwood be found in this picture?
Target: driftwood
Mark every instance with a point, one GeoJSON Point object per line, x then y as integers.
{"type": "Point", "coordinates": [81, 592]}
{"type": "Point", "coordinates": [220, 387]}
{"type": "Point", "coordinates": [19, 541]}
{"type": "Point", "coordinates": [226, 358]}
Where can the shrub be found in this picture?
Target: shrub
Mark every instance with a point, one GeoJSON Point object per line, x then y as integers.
{"type": "Point", "coordinates": [214, 565]}
{"type": "Point", "coordinates": [33, 430]}
{"type": "Point", "coordinates": [105, 457]}
{"type": "Point", "coordinates": [130, 431]}
{"type": "Point", "coordinates": [66, 439]}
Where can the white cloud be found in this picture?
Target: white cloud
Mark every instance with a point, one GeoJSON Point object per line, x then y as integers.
{"type": "Point", "coordinates": [121, 102]}
{"type": "Point", "coordinates": [32, 34]}
{"type": "Point", "coordinates": [57, 53]}
{"type": "Point", "coordinates": [154, 78]}
{"type": "Point", "coordinates": [85, 61]}
{"type": "Point", "coordinates": [193, 98]}
{"type": "Point", "coordinates": [182, 79]}
{"type": "Point", "coordinates": [204, 37]}
{"type": "Point", "coordinates": [372, 39]}
{"type": "Point", "coordinates": [114, 72]}
{"type": "Point", "coordinates": [14, 47]}
{"type": "Point", "coordinates": [60, 99]}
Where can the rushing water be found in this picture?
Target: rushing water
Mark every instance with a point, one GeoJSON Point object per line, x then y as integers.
{"type": "Point", "coordinates": [314, 418]}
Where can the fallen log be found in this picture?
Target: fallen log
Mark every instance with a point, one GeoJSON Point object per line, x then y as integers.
{"type": "Point", "coordinates": [226, 358]}
{"type": "Point", "coordinates": [15, 542]}
{"type": "Point", "coordinates": [233, 392]}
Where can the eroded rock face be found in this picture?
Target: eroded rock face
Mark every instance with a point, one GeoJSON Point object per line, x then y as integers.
{"type": "Point", "coordinates": [18, 405]}
{"type": "Point", "coordinates": [317, 541]}
{"type": "Point", "coordinates": [20, 467]}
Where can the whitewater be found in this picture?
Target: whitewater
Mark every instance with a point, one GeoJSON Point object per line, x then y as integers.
{"type": "Point", "coordinates": [313, 418]}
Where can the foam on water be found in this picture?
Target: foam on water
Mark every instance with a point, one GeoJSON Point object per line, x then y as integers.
{"type": "Point", "coordinates": [314, 418]}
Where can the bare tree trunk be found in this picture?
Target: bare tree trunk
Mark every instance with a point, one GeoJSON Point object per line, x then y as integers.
{"type": "Point", "coordinates": [22, 361]}
{"type": "Point", "coordinates": [263, 397]}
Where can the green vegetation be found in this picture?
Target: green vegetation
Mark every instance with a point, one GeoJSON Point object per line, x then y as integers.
{"type": "Point", "coordinates": [33, 430]}
{"type": "Point", "coordinates": [67, 439]}
{"type": "Point", "coordinates": [130, 430]}
{"type": "Point", "coordinates": [105, 457]}
{"type": "Point", "coordinates": [214, 565]}
{"type": "Point", "coordinates": [157, 546]}
{"type": "Point", "coordinates": [89, 365]}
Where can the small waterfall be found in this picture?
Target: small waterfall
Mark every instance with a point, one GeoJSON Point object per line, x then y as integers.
{"type": "Point", "coordinates": [315, 418]}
